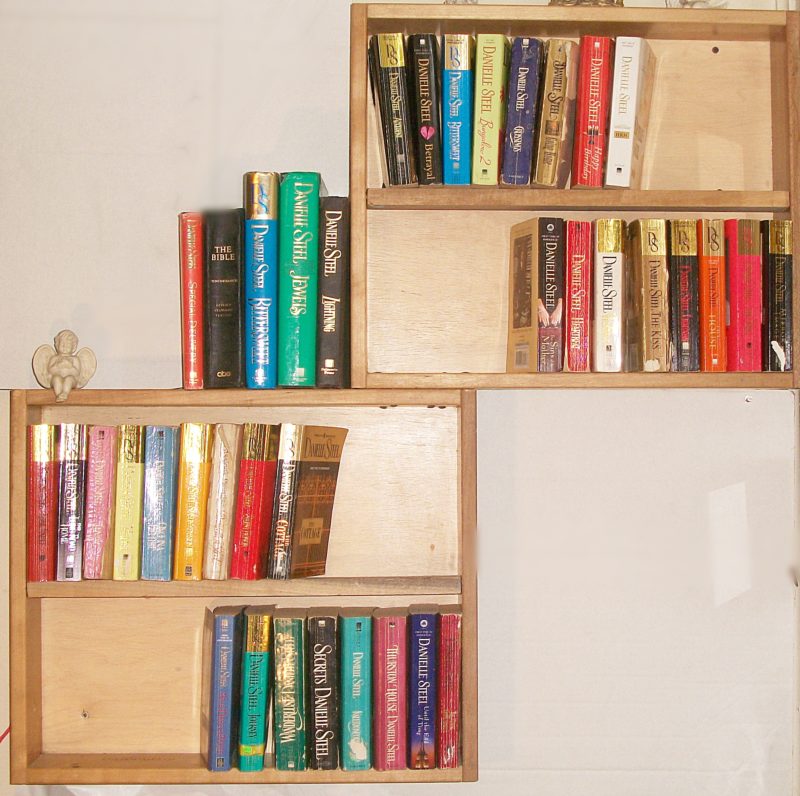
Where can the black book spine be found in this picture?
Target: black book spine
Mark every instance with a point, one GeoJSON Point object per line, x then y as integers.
{"type": "Point", "coordinates": [423, 56]}
{"type": "Point", "coordinates": [684, 296]}
{"type": "Point", "coordinates": [333, 311]}
{"type": "Point", "coordinates": [223, 299]}
{"type": "Point", "coordinates": [776, 238]}
{"type": "Point", "coordinates": [323, 679]}
{"type": "Point", "coordinates": [550, 304]}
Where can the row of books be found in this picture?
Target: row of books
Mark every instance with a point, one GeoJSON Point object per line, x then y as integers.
{"type": "Point", "coordinates": [355, 688]}
{"type": "Point", "coordinates": [523, 112]}
{"type": "Point", "coordinates": [265, 289]}
{"type": "Point", "coordinates": [651, 295]}
{"type": "Point", "coordinates": [162, 502]}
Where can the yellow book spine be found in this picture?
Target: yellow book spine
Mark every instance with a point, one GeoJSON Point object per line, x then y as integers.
{"type": "Point", "coordinates": [128, 503]}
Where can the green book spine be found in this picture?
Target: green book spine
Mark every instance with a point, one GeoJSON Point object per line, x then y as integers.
{"type": "Point", "coordinates": [297, 288]}
{"type": "Point", "coordinates": [254, 688]}
{"type": "Point", "coordinates": [290, 689]}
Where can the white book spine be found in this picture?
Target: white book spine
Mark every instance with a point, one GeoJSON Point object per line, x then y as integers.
{"type": "Point", "coordinates": [608, 297]}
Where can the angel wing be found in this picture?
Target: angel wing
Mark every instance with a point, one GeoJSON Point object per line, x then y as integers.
{"type": "Point", "coordinates": [88, 366]}
{"type": "Point", "coordinates": [41, 359]}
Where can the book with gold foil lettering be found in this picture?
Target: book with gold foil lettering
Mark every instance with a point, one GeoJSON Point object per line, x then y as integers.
{"type": "Point", "coordinates": [776, 235]}
{"type": "Point", "coordinates": [423, 62]}
{"type": "Point", "coordinates": [160, 487]}
{"type": "Point", "coordinates": [128, 502]}
{"type": "Point", "coordinates": [101, 468]}
{"type": "Point", "coordinates": [458, 85]}
{"type": "Point", "coordinates": [684, 295]}
{"type": "Point", "coordinates": [523, 283]}
{"type": "Point", "coordinates": [448, 734]}
{"type": "Point", "coordinates": [550, 301]}
{"type": "Point", "coordinates": [43, 499]}
{"type": "Point", "coordinates": [711, 266]}
{"type": "Point", "coordinates": [578, 289]}
{"type": "Point", "coordinates": [72, 447]}
{"type": "Point", "coordinates": [609, 278]}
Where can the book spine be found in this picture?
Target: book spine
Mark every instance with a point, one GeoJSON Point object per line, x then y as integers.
{"type": "Point", "coordinates": [422, 682]}
{"type": "Point", "coordinates": [457, 102]}
{"type": "Point", "coordinates": [522, 346]}
{"type": "Point", "coordinates": [284, 504]}
{"type": "Point", "coordinates": [592, 108]}
{"type": "Point", "coordinates": [290, 689]}
{"type": "Point", "coordinates": [448, 737]}
{"type": "Point", "coordinates": [72, 442]}
{"type": "Point", "coordinates": [711, 266]}
{"type": "Point", "coordinates": [223, 299]}
{"type": "Point", "coordinates": [423, 56]}
{"type": "Point", "coordinates": [261, 191]}
{"type": "Point", "coordinates": [43, 498]}
{"type": "Point", "coordinates": [128, 504]}
{"type": "Point", "coordinates": [550, 303]}
{"type": "Point", "coordinates": [491, 74]}
{"type": "Point", "coordinates": [684, 295]}
{"type": "Point", "coordinates": [777, 266]}
{"type": "Point", "coordinates": [255, 690]}
{"type": "Point", "coordinates": [221, 512]}
{"type": "Point", "coordinates": [743, 247]}
{"type": "Point", "coordinates": [653, 277]}
{"type": "Point", "coordinates": [193, 481]}
{"type": "Point", "coordinates": [190, 235]}
{"type": "Point", "coordinates": [609, 268]}
{"type": "Point", "coordinates": [323, 678]}
{"type": "Point", "coordinates": [223, 714]}
{"type": "Point", "coordinates": [391, 706]}
{"type": "Point", "coordinates": [333, 311]}
{"type": "Point", "coordinates": [98, 545]}
{"type": "Point", "coordinates": [356, 690]}
{"type": "Point", "coordinates": [555, 126]}
{"type": "Point", "coordinates": [297, 281]}
{"type": "Point", "coordinates": [579, 295]}
{"type": "Point", "coordinates": [523, 97]}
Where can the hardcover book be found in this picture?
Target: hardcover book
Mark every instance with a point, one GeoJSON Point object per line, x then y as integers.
{"type": "Point", "coordinates": [223, 299]}
{"type": "Point", "coordinates": [128, 504]}
{"type": "Point", "coordinates": [777, 267]}
{"type": "Point", "coordinates": [423, 661]}
{"type": "Point", "coordinates": [98, 541]}
{"type": "Point", "coordinates": [290, 689]}
{"type": "Point", "coordinates": [323, 689]}
{"type": "Point", "coordinates": [355, 633]}
{"type": "Point", "coordinates": [711, 262]}
{"type": "Point", "coordinates": [43, 499]}
{"type": "Point", "coordinates": [743, 249]}
{"type": "Point", "coordinates": [71, 500]}
{"type": "Point", "coordinates": [609, 270]}
{"type": "Point", "coordinates": [423, 58]}
{"type": "Point", "coordinates": [579, 296]}
{"type": "Point", "coordinates": [448, 736]}
{"type": "Point", "coordinates": [684, 295]}
{"type": "Point", "coordinates": [255, 687]}
{"type": "Point", "coordinates": [522, 346]}
{"type": "Point", "coordinates": [390, 648]}
{"type": "Point", "coordinates": [550, 301]}
{"type": "Point", "coordinates": [458, 85]}
{"type": "Point", "coordinates": [191, 246]}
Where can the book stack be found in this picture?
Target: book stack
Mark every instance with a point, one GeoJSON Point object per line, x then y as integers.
{"type": "Point", "coordinates": [265, 288]}
{"type": "Point", "coordinates": [199, 501]}
{"type": "Point", "coordinates": [650, 295]}
{"type": "Point", "coordinates": [350, 688]}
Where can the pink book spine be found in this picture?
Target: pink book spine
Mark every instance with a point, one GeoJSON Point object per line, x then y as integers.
{"type": "Point", "coordinates": [578, 290]}
{"type": "Point", "coordinates": [391, 703]}
{"type": "Point", "coordinates": [448, 736]}
{"type": "Point", "coordinates": [743, 249]}
{"type": "Point", "coordinates": [100, 476]}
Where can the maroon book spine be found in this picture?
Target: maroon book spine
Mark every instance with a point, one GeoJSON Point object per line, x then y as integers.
{"type": "Point", "coordinates": [190, 233]}
{"type": "Point", "coordinates": [42, 501]}
{"type": "Point", "coordinates": [448, 735]}
{"type": "Point", "coordinates": [579, 294]}
{"type": "Point", "coordinates": [390, 656]}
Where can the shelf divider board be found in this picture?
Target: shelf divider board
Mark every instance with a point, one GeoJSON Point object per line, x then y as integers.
{"type": "Point", "coordinates": [792, 101]}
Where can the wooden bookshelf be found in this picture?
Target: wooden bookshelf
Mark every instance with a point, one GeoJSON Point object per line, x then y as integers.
{"type": "Point", "coordinates": [105, 675]}
{"type": "Point", "coordinates": [430, 263]}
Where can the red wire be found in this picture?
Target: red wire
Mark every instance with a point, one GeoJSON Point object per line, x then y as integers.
{"type": "Point", "coordinates": [5, 732]}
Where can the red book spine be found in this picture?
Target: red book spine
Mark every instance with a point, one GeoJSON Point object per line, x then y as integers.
{"type": "Point", "coordinates": [579, 294]}
{"type": "Point", "coordinates": [448, 736]}
{"type": "Point", "coordinates": [190, 233]}
{"type": "Point", "coordinates": [390, 690]}
{"type": "Point", "coordinates": [42, 502]}
{"type": "Point", "coordinates": [743, 248]}
{"type": "Point", "coordinates": [250, 516]}
{"type": "Point", "coordinates": [593, 103]}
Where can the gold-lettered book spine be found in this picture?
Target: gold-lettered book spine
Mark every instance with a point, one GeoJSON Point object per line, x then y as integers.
{"type": "Point", "coordinates": [523, 282]}
{"type": "Point", "coordinates": [128, 503]}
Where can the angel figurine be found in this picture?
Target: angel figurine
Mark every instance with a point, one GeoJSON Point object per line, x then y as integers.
{"type": "Point", "coordinates": [62, 368]}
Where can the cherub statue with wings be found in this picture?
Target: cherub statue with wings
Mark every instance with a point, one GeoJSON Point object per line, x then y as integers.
{"type": "Point", "coordinates": [64, 368]}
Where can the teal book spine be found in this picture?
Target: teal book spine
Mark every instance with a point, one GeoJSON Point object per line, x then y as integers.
{"type": "Point", "coordinates": [289, 629]}
{"type": "Point", "coordinates": [356, 690]}
{"type": "Point", "coordinates": [297, 278]}
{"type": "Point", "coordinates": [255, 687]}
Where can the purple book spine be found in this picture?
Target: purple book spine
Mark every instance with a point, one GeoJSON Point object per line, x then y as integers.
{"type": "Point", "coordinates": [225, 674]}
{"type": "Point", "coordinates": [422, 690]}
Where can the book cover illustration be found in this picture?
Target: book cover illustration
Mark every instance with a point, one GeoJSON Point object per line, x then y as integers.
{"type": "Point", "coordinates": [72, 444]}
{"type": "Point", "coordinates": [423, 660]}
{"type": "Point", "coordinates": [289, 628]}
{"type": "Point", "coordinates": [323, 685]}
{"type": "Point", "coordinates": [550, 301]}
{"type": "Point", "coordinates": [42, 501]}
{"type": "Point", "coordinates": [458, 86]}
{"type": "Point", "coordinates": [355, 633]}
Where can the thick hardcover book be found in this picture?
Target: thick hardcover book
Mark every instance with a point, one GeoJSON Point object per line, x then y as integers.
{"type": "Point", "coordinates": [289, 723]}
{"type": "Point", "coordinates": [711, 261]}
{"type": "Point", "coordinates": [521, 347]}
{"type": "Point", "coordinates": [390, 651]}
{"type": "Point", "coordinates": [423, 659]}
{"type": "Point", "coordinates": [323, 690]}
{"type": "Point", "coordinates": [255, 688]}
{"type": "Point", "coordinates": [297, 288]}
{"type": "Point", "coordinates": [190, 242]}
{"type": "Point", "coordinates": [684, 295]}
{"type": "Point", "coordinates": [223, 299]}
{"type": "Point", "coordinates": [390, 81]}
{"type": "Point", "coordinates": [777, 267]}
{"type": "Point", "coordinates": [448, 736]}
{"type": "Point", "coordinates": [221, 682]}
{"type": "Point", "coordinates": [128, 503]}
{"type": "Point", "coordinates": [647, 307]}
{"type": "Point", "coordinates": [333, 311]}
{"type": "Point", "coordinates": [161, 445]}
{"type": "Point", "coordinates": [550, 302]}
{"type": "Point", "coordinates": [423, 60]}
{"type": "Point", "coordinates": [194, 469]}
{"type": "Point", "coordinates": [553, 156]}
{"type": "Point", "coordinates": [254, 501]}
{"type": "Point", "coordinates": [226, 451]}
{"type": "Point", "coordinates": [609, 271]}
{"type": "Point", "coordinates": [261, 278]}
{"type": "Point", "coordinates": [43, 495]}
{"type": "Point", "coordinates": [458, 85]}
{"type": "Point", "coordinates": [355, 635]}
{"type": "Point", "coordinates": [631, 99]}
{"type": "Point", "coordinates": [590, 145]}
{"type": "Point", "coordinates": [71, 500]}
{"type": "Point", "coordinates": [743, 250]}
{"type": "Point", "coordinates": [492, 58]}
{"type": "Point", "coordinates": [578, 296]}
{"type": "Point", "coordinates": [98, 541]}
{"type": "Point", "coordinates": [523, 103]}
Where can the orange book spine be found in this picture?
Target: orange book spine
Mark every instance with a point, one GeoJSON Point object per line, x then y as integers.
{"type": "Point", "coordinates": [711, 258]}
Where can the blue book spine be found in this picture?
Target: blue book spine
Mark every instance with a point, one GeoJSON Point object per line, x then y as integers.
{"type": "Point", "coordinates": [225, 682]}
{"type": "Point", "coordinates": [457, 93]}
{"type": "Point", "coordinates": [523, 94]}
{"type": "Point", "coordinates": [356, 692]}
{"type": "Point", "coordinates": [159, 501]}
{"type": "Point", "coordinates": [422, 671]}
